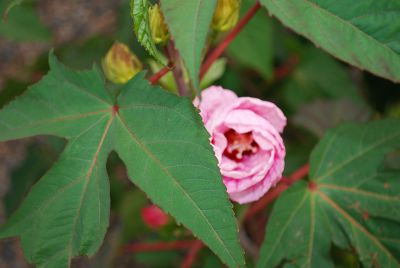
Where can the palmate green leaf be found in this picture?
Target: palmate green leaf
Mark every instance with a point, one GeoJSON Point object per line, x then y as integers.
{"type": "Point", "coordinates": [363, 33]}
{"type": "Point", "coordinates": [140, 16]}
{"type": "Point", "coordinates": [352, 200]}
{"type": "Point", "coordinates": [188, 23]}
{"type": "Point", "coordinates": [158, 135]}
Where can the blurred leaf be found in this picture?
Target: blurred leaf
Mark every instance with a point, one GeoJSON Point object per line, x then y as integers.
{"type": "Point", "coordinates": [253, 47]}
{"type": "Point", "coordinates": [363, 33]}
{"type": "Point", "coordinates": [23, 24]}
{"type": "Point", "coordinates": [350, 201]}
{"type": "Point", "coordinates": [40, 157]}
{"type": "Point", "coordinates": [140, 15]}
{"type": "Point", "coordinates": [318, 76]}
{"type": "Point", "coordinates": [85, 54]}
{"type": "Point", "coordinates": [299, 144]}
{"type": "Point", "coordinates": [67, 212]}
{"type": "Point", "coordinates": [210, 261]}
{"type": "Point", "coordinates": [345, 258]}
{"type": "Point", "coordinates": [188, 23]}
{"type": "Point", "coordinates": [232, 80]}
{"type": "Point", "coordinates": [322, 115]}
{"type": "Point", "coordinates": [129, 211]}
{"type": "Point", "coordinates": [162, 259]}
{"type": "Point", "coordinates": [392, 160]}
{"type": "Point", "coordinates": [215, 72]}
{"type": "Point", "coordinates": [9, 6]}
{"type": "Point", "coordinates": [394, 110]}
{"type": "Point", "coordinates": [10, 90]}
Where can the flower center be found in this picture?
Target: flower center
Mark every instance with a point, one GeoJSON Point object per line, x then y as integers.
{"type": "Point", "coordinates": [240, 145]}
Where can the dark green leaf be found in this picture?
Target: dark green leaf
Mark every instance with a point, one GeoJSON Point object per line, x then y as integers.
{"type": "Point", "coordinates": [318, 76]}
{"type": "Point", "coordinates": [188, 22]}
{"type": "Point", "coordinates": [158, 135]}
{"type": "Point", "coordinates": [363, 33]}
{"type": "Point", "coordinates": [352, 201]}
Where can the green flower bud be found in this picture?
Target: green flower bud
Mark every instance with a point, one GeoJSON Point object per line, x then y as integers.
{"type": "Point", "coordinates": [120, 64]}
{"type": "Point", "coordinates": [159, 30]}
{"type": "Point", "coordinates": [226, 15]}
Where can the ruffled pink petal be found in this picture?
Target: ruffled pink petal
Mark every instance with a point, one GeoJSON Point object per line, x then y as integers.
{"type": "Point", "coordinates": [245, 180]}
{"type": "Point", "coordinates": [219, 144]}
{"type": "Point", "coordinates": [235, 185]}
{"type": "Point", "coordinates": [248, 167]}
{"type": "Point", "coordinates": [251, 178]}
{"type": "Point", "coordinates": [265, 109]}
{"type": "Point", "coordinates": [213, 99]}
{"type": "Point", "coordinates": [255, 192]}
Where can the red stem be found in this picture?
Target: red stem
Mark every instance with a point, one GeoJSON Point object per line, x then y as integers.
{"type": "Point", "coordinates": [157, 76]}
{"type": "Point", "coordinates": [159, 246]}
{"type": "Point", "coordinates": [192, 255]}
{"type": "Point", "coordinates": [275, 192]}
{"type": "Point", "coordinates": [177, 71]}
{"type": "Point", "coordinates": [218, 50]}
{"type": "Point", "coordinates": [228, 39]}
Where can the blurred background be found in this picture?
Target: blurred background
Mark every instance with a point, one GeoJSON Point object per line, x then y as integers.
{"type": "Point", "coordinates": [266, 61]}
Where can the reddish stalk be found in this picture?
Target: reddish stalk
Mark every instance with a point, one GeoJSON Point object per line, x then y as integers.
{"type": "Point", "coordinates": [218, 50]}
{"type": "Point", "coordinates": [192, 255]}
{"type": "Point", "coordinates": [159, 246]}
{"type": "Point", "coordinates": [177, 71]}
{"type": "Point", "coordinates": [275, 192]}
{"type": "Point", "coordinates": [228, 39]}
{"type": "Point", "coordinates": [157, 76]}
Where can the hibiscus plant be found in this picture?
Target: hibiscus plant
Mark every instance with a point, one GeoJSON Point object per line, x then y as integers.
{"type": "Point", "coordinates": [220, 136]}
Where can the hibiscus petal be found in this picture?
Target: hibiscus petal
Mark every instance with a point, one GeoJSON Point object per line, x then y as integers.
{"type": "Point", "coordinates": [255, 192]}
{"type": "Point", "coordinates": [213, 99]}
{"type": "Point", "coordinates": [264, 109]}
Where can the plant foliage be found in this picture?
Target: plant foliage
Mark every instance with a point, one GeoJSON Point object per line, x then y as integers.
{"type": "Point", "coordinates": [351, 200]}
{"type": "Point", "coordinates": [362, 33]}
{"type": "Point", "coordinates": [159, 136]}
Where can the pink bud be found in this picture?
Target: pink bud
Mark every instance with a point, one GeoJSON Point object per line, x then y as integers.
{"type": "Point", "coordinates": [154, 217]}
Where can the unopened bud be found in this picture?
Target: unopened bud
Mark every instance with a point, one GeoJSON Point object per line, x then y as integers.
{"type": "Point", "coordinates": [154, 217]}
{"type": "Point", "coordinates": [226, 15]}
{"type": "Point", "coordinates": [120, 64]}
{"type": "Point", "coordinates": [159, 30]}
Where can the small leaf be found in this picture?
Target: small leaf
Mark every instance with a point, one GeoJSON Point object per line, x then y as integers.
{"type": "Point", "coordinates": [215, 72]}
{"type": "Point", "coordinates": [362, 33]}
{"type": "Point", "coordinates": [188, 22]}
{"type": "Point", "coordinates": [140, 15]}
{"type": "Point", "coordinates": [158, 135]}
{"type": "Point", "coordinates": [351, 200]}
